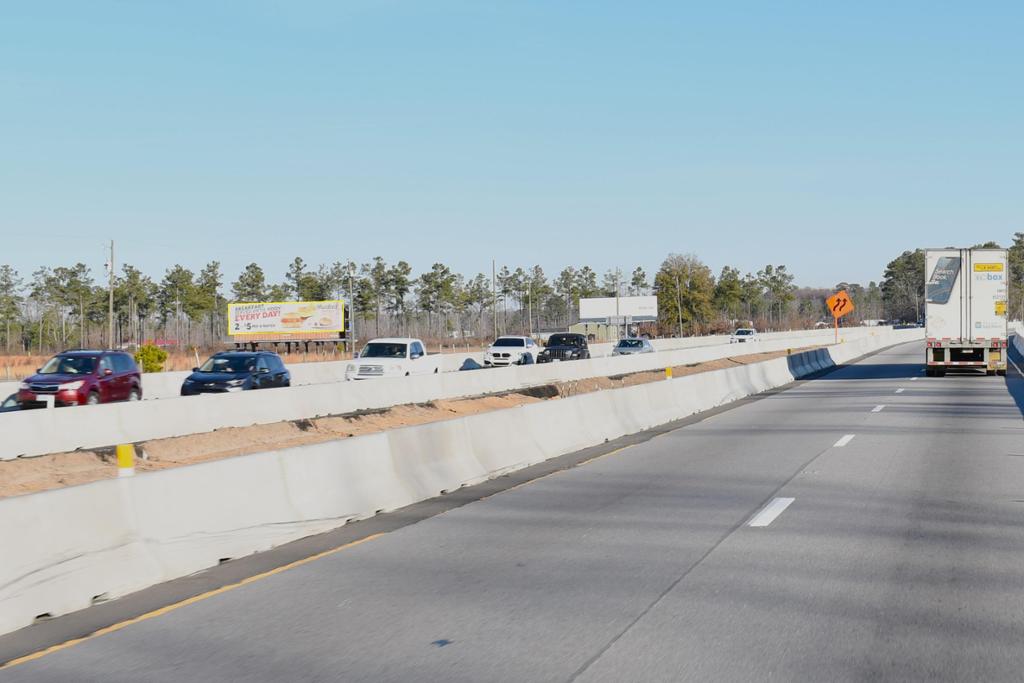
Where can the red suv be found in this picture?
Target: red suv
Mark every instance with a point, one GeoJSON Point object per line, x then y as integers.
{"type": "Point", "coordinates": [83, 378]}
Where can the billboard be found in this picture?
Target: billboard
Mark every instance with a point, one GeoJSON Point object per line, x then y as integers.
{"type": "Point", "coordinates": [285, 317]}
{"type": "Point", "coordinates": [636, 307]}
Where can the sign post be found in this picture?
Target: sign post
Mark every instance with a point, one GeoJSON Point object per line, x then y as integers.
{"type": "Point", "coordinates": [839, 304]}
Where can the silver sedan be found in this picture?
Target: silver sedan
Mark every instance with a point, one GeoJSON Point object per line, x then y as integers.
{"type": "Point", "coordinates": [631, 345]}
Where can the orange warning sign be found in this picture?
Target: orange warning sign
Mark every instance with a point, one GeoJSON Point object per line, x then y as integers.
{"type": "Point", "coordinates": [840, 304]}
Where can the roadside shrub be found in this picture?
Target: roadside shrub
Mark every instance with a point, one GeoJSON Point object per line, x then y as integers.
{"type": "Point", "coordinates": [150, 358]}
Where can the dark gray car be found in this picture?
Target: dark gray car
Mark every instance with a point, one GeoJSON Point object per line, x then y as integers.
{"type": "Point", "coordinates": [231, 371]}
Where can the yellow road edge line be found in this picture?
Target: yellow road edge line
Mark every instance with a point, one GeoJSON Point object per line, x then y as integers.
{"type": "Point", "coordinates": [183, 603]}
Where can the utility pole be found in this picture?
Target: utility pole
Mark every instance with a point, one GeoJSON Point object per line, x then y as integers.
{"type": "Point", "coordinates": [110, 302]}
{"type": "Point", "coordinates": [529, 308]}
{"type": "Point", "coordinates": [618, 320]}
{"type": "Point", "coordinates": [351, 307]}
{"type": "Point", "coordinates": [494, 298]}
{"type": "Point", "coordinates": [679, 307]}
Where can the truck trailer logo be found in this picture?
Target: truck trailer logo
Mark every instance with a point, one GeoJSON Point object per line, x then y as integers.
{"type": "Point", "coordinates": [940, 284]}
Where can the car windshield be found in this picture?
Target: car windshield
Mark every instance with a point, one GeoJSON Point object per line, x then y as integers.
{"type": "Point", "coordinates": [631, 343]}
{"type": "Point", "coordinates": [744, 333]}
{"type": "Point", "coordinates": [383, 350]}
{"type": "Point", "coordinates": [69, 365]}
{"type": "Point", "coordinates": [509, 341]}
{"type": "Point", "coordinates": [229, 364]}
{"type": "Point", "coordinates": [565, 340]}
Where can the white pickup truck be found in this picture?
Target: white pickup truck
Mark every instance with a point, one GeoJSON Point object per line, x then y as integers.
{"type": "Point", "coordinates": [393, 357]}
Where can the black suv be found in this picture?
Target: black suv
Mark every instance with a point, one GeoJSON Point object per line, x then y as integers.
{"type": "Point", "coordinates": [237, 371]}
{"type": "Point", "coordinates": [565, 346]}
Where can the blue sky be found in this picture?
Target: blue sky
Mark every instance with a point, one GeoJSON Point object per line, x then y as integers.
{"type": "Point", "coordinates": [825, 136]}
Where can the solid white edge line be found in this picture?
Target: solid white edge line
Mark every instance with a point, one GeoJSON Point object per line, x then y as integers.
{"type": "Point", "coordinates": [843, 441]}
{"type": "Point", "coordinates": [878, 408]}
{"type": "Point", "coordinates": [769, 512]}
{"type": "Point", "coordinates": [913, 379]}
{"type": "Point", "coordinates": [900, 390]}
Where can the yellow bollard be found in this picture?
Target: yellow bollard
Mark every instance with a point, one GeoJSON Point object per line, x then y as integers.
{"type": "Point", "coordinates": [668, 372]}
{"type": "Point", "coordinates": [125, 460]}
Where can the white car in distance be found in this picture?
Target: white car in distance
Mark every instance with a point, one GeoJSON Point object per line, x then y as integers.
{"type": "Point", "coordinates": [392, 357]}
{"type": "Point", "coordinates": [743, 335]}
{"type": "Point", "coordinates": [509, 350]}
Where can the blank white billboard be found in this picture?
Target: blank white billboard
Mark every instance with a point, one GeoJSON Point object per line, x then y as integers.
{"type": "Point", "coordinates": [636, 307]}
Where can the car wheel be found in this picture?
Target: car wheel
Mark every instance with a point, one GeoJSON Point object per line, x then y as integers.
{"type": "Point", "coordinates": [93, 399]}
{"type": "Point", "coordinates": [133, 395]}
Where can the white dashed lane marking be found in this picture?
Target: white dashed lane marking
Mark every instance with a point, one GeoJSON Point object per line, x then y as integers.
{"type": "Point", "coordinates": [843, 441]}
{"type": "Point", "coordinates": [770, 511]}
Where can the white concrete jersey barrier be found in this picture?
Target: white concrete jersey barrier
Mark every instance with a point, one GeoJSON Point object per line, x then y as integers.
{"type": "Point", "coordinates": [64, 548]}
{"type": "Point", "coordinates": [38, 432]}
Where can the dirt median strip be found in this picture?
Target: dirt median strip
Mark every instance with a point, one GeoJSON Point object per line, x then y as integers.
{"type": "Point", "coordinates": [31, 475]}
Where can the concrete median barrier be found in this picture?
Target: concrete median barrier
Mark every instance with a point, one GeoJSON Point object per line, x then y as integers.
{"type": "Point", "coordinates": [65, 548]}
{"type": "Point", "coordinates": [38, 432]}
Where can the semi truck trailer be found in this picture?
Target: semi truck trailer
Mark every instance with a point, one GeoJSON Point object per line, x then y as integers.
{"type": "Point", "coordinates": [965, 310]}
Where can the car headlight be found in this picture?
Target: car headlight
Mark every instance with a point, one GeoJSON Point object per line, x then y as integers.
{"type": "Point", "coordinates": [23, 386]}
{"type": "Point", "coordinates": [71, 386]}
{"type": "Point", "coordinates": [235, 382]}
{"type": "Point", "coordinates": [351, 368]}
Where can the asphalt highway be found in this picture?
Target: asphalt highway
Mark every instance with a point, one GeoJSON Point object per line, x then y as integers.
{"type": "Point", "coordinates": [866, 525]}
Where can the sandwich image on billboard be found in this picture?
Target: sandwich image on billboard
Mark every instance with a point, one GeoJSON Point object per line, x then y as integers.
{"type": "Point", "coordinates": [285, 317]}
{"type": "Point", "coordinates": [943, 278]}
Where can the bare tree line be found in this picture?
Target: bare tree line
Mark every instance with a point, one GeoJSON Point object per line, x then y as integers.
{"type": "Point", "coordinates": [65, 306]}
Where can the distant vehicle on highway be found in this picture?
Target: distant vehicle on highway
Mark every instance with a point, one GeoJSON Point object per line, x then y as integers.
{"type": "Point", "coordinates": [231, 371]}
{"type": "Point", "coordinates": [565, 346]}
{"type": "Point", "coordinates": [743, 335]}
{"type": "Point", "coordinates": [10, 404]}
{"type": "Point", "coordinates": [393, 357]}
{"type": "Point", "coordinates": [83, 377]}
{"type": "Point", "coordinates": [632, 345]}
{"type": "Point", "coordinates": [511, 351]}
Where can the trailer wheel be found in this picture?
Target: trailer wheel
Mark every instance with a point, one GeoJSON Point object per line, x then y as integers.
{"type": "Point", "coordinates": [1001, 373]}
{"type": "Point", "coordinates": [941, 372]}
{"type": "Point", "coordinates": [929, 371]}
{"type": "Point", "coordinates": [990, 373]}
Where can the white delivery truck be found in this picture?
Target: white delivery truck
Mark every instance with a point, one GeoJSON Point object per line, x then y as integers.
{"type": "Point", "coordinates": [965, 310]}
